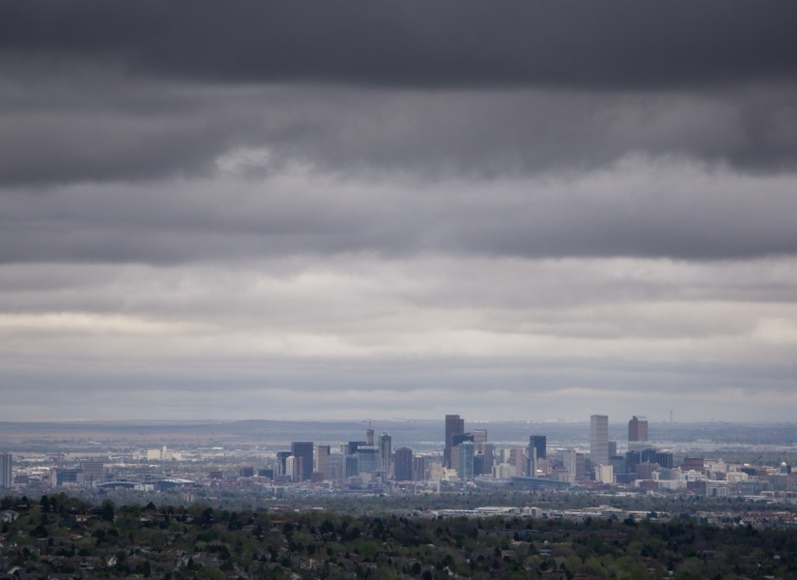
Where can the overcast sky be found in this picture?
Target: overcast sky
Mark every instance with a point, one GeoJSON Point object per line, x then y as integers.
{"type": "Point", "coordinates": [518, 210]}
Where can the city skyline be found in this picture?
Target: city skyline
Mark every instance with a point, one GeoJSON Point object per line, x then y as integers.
{"type": "Point", "coordinates": [355, 210]}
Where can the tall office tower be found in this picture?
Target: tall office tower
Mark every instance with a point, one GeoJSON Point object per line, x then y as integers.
{"type": "Point", "coordinates": [531, 462]}
{"type": "Point", "coordinates": [479, 438]}
{"type": "Point", "coordinates": [337, 466]}
{"type": "Point", "coordinates": [303, 451]}
{"type": "Point", "coordinates": [351, 447]}
{"type": "Point", "coordinates": [419, 468]}
{"type": "Point", "coordinates": [540, 443]}
{"type": "Point", "coordinates": [571, 464]}
{"type": "Point", "coordinates": [456, 440]}
{"type": "Point", "coordinates": [517, 460]}
{"type": "Point", "coordinates": [351, 466]}
{"type": "Point", "coordinates": [281, 467]}
{"type": "Point", "coordinates": [367, 459]}
{"type": "Point", "coordinates": [599, 440]}
{"type": "Point", "coordinates": [369, 435]}
{"type": "Point", "coordinates": [618, 464]}
{"type": "Point", "coordinates": [632, 459]}
{"type": "Point", "coordinates": [460, 437]}
{"type": "Point", "coordinates": [612, 448]}
{"type": "Point", "coordinates": [454, 425]}
{"type": "Point", "coordinates": [637, 429]}
{"type": "Point", "coordinates": [292, 468]}
{"type": "Point", "coordinates": [404, 464]}
{"type": "Point", "coordinates": [322, 454]}
{"type": "Point", "coordinates": [385, 453]}
{"type": "Point", "coordinates": [488, 458]}
{"type": "Point", "coordinates": [5, 470]}
{"type": "Point", "coordinates": [466, 453]}
{"type": "Point", "coordinates": [535, 452]}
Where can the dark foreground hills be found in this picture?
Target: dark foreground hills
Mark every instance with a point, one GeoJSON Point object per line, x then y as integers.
{"type": "Point", "coordinates": [64, 537]}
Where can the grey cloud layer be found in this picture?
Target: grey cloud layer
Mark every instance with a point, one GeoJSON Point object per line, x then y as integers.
{"type": "Point", "coordinates": [322, 209]}
{"type": "Point", "coordinates": [649, 44]}
{"type": "Point", "coordinates": [58, 130]}
{"type": "Point", "coordinates": [637, 207]}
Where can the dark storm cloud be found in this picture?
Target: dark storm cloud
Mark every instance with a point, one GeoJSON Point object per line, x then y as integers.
{"type": "Point", "coordinates": [639, 207]}
{"type": "Point", "coordinates": [138, 90]}
{"type": "Point", "coordinates": [478, 44]}
{"type": "Point", "coordinates": [91, 126]}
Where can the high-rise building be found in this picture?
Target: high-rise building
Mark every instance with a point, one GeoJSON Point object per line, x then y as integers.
{"type": "Point", "coordinates": [571, 464]}
{"type": "Point", "coordinates": [367, 459]}
{"type": "Point", "coordinates": [303, 451]}
{"type": "Point", "coordinates": [322, 454]}
{"type": "Point", "coordinates": [517, 459]}
{"type": "Point", "coordinates": [281, 466]}
{"type": "Point", "coordinates": [599, 440]}
{"type": "Point", "coordinates": [456, 440]}
{"type": "Point", "coordinates": [293, 468]}
{"type": "Point", "coordinates": [385, 453]}
{"type": "Point", "coordinates": [5, 470]}
{"type": "Point", "coordinates": [403, 464]}
{"type": "Point", "coordinates": [540, 444]}
{"type": "Point", "coordinates": [454, 425]}
{"type": "Point", "coordinates": [337, 466]}
{"type": "Point", "coordinates": [488, 458]}
{"type": "Point", "coordinates": [637, 429]}
{"type": "Point", "coordinates": [466, 454]}
{"type": "Point", "coordinates": [419, 468]}
{"type": "Point", "coordinates": [604, 474]}
{"type": "Point", "coordinates": [536, 451]}
{"type": "Point", "coordinates": [351, 447]}
{"type": "Point", "coordinates": [479, 438]}
{"type": "Point", "coordinates": [460, 437]}
{"type": "Point", "coordinates": [351, 466]}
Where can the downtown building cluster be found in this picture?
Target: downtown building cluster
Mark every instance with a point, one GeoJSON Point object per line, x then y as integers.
{"type": "Point", "coordinates": [466, 459]}
{"type": "Point", "coordinates": [470, 459]}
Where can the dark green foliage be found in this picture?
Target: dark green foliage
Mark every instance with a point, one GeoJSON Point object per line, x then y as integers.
{"type": "Point", "coordinates": [62, 535]}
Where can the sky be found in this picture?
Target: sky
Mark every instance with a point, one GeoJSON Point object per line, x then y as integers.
{"type": "Point", "coordinates": [398, 209]}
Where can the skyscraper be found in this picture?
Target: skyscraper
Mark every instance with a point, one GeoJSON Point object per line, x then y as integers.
{"type": "Point", "coordinates": [535, 452]}
{"type": "Point", "coordinates": [466, 454]}
{"type": "Point", "coordinates": [5, 470]}
{"type": "Point", "coordinates": [385, 453]}
{"type": "Point", "coordinates": [637, 429]}
{"type": "Point", "coordinates": [323, 453]}
{"type": "Point", "coordinates": [571, 464]}
{"type": "Point", "coordinates": [488, 459]}
{"type": "Point", "coordinates": [454, 425]}
{"type": "Point", "coordinates": [540, 444]}
{"type": "Point", "coordinates": [281, 466]}
{"type": "Point", "coordinates": [303, 452]}
{"type": "Point", "coordinates": [404, 464]}
{"type": "Point", "coordinates": [419, 468]}
{"type": "Point", "coordinates": [456, 440]}
{"type": "Point", "coordinates": [479, 438]}
{"type": "Point", "coordinates": [599, 440]}
{"type": "Point", "coordinates": [367, 459]}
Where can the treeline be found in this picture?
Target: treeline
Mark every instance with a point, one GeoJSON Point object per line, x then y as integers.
{"type": "Point", "coordinates": [62, 535]}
